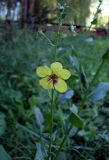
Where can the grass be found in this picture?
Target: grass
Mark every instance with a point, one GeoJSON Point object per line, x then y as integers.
{"type": "Point", "coordinates": [20, 93]}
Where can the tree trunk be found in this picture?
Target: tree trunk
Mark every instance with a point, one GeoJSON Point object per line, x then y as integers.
{"type": "Point", "coordinates": [8, 16]}
{"type": "Point", "coordinates": [36, 8]}
{"type": "Point", "coordinates": [26, 12]}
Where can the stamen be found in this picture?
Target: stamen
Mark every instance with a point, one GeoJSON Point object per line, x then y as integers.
{"type": "Point", "coordinates": [53, 78]}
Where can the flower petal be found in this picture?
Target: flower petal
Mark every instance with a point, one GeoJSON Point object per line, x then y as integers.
{"type": "Point", "coordinates": [60, 86]}
{"type": "Point", "coordinates": [56, 67]}
{"type": "Point", "coordinates": [45, 83]}
{"type": "Point", "coordinates": [64, 74]}
{"type": "Point", "coordinates": [43, 71]}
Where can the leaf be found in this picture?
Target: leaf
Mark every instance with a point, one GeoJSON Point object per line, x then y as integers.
{"type": "Point", "coordinates": [40, 155]}
{"type": "Point", "coordinates": [3, 154]}
{"type": "Point", "coordinates": [99, 92]}
{"type": "Point", "coordinates": [76, 120]}
{"type": "Point", "coordinates": [62, 117]}
{"type": "Point", "coordinates": [14, 95]}
{"type": "Point", "coordinates": [2, 124]}
{"type": "Point", "coordinates": [105, 137]}
{"type": "Point", "coordinates": [106, 55]}
{"type": "Point", "coordinates": [66, 96]}
{"type": "Point", "coordinates": [74, 53]}
{"type": "Point", "coordinates": [92, 131]}
{"type": "Point", "coordinates": [100, 1]}
{"type": "Point", "coordinates": [39, 118]}
{"type": "Point", "coordinates": [83, 78]}
{"type": "Point", "coordinates": [99, 10]}
{"type": "Point", "coordinates": [32, 101]}
{"type": "Point", "coordinates": [75, 62]}
{"type": "Point", "coordinates": [74, 109]}
{"type": "Point", "coordinates": [73, 78]}
{"type": "Point", "coordinates": [94, 21]}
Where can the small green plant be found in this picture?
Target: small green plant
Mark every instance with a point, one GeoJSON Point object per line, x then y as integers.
{"type": "Point", "coordinates": [52, 79]}
{"type": "Point", "coordinates": [58, 121]}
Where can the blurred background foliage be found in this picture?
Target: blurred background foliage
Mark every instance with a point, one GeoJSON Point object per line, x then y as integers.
{"type": "Point", "coordinates": [79, 12]}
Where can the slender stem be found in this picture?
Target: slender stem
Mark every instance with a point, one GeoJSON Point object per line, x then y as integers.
{"type": "Point", "coordinates": [81, 106]}
{"type": "Point", "coordinates": [55, 47]}
{"type": "Point", "coordinates": [55, 53]}
{"type": "Point", "coordinates": [90, 86]}
{"type": "Point", "coordinates": [57, 38]}
{"type": "Point", "coordinates": [45, 36]}
{"type": "Point", "coordinates": [95, 14]}
{"type": "Point", "coordinates": [51, 125]}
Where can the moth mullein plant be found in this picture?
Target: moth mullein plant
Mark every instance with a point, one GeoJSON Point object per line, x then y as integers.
{"type": "Point", "coordinates": [53, 77]}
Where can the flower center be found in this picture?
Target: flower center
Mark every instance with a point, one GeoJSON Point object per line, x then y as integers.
{"type": "Point", "coordinates": [53, 78]}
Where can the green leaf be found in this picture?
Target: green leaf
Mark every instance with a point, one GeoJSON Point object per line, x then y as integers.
{"type": "Point", "coordinates": [66, 96]}
{"type": "Point", "coordinates": [39, 117]}
{"type": "Point", "coordinates": [99, 11]}
{"type": "Point", "coordinates": [74, 53]}
{"type": "Point", "coordinates": [3, 154]}
{"type": "Point", "coordinates": [73, 78]}
{"type": "Point", "coordinates": [94, 21]}
{"type": "Point", "coordinates": [76, 120]}
{"type": "Point", "coordinates": [40, 154]}
{"type": "Point", "coordinates": [75, 62]}
{"type": "Point", "coordinates": [62, 117]}
{"type": "Point", "coordinates": [99, 91]}
{"type": "Point", "coordinates": [105, 137]}
{"type": "Point", "coordinates": [32, 101]}
{"type": "Point", "coordinates": [74, 109]}
{"type": "Point", "coordinates": [2, 124]}
{"type": "Point", "coordinates": [100, 1]}
{"type": "Point", "coordinates": [92, 131]}
{"type": "Point", "coordinates": [106, 55]}
{"type": "Point", "coordinates": [83, 78]}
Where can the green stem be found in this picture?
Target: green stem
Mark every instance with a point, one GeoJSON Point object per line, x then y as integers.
{"type": "Point", "coordinates": [55, 53]}
{"type": "Point", "coordinates": [95, 14]}
{"type": "Point", "coordinates": [45, 36]}
{"type": "Point", "coordinates": [51, 125]}
{"type": "Point", "coordinates": [55, 47]}
{"type": "Point", "coordinates": [90, 86]}
{"type": "Point", "coordinates": [80, 108]}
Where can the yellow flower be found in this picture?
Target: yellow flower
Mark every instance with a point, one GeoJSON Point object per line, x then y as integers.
{"type": "Point", "coordinates": [53, 77]}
